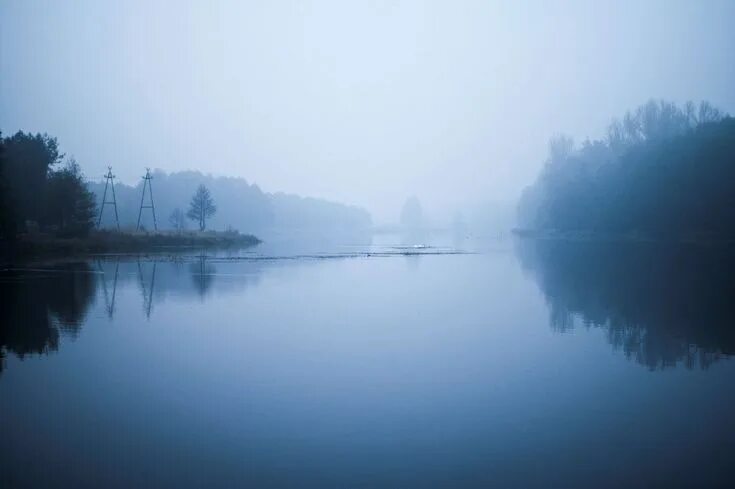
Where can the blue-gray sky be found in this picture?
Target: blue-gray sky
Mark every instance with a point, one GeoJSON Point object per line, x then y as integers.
{"type": "Point", "coordinates": [361, 102]}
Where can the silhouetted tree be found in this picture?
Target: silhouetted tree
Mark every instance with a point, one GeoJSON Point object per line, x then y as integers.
{"type": "Point", "coordinates": [201, 207]}
{"type": "Point", "coordinates": [7, 215]}
{"type": "Point", "coordinates": [28, 160]}
{"type": "Point", "coordinates": [70, 207]}
{"type": "Point", "coordinates": [32, 190]}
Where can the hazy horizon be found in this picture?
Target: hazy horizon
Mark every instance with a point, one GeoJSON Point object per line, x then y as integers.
{"type": "Point", "coordinates": [362, 104]}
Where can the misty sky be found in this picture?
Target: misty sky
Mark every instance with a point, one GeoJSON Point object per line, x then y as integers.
{"type": "Point", "coordinates": [361, 102]}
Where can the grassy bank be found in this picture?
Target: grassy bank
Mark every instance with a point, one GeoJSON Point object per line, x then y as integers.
{"type": "Point", "coordinates": [97, 242]}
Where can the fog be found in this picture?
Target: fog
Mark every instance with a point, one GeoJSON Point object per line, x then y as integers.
{"type": "Point", "coordinates": [365, 104]}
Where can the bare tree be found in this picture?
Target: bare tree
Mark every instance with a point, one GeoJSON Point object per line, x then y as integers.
{"type": "Point", "coordinates": [708, 113]}
{"type": "Point", "coordinates": [561, 147]}
{"type": "Point", "coordinates": [177, 219]}
{"type": "Point", "coordinates": [201, 207]}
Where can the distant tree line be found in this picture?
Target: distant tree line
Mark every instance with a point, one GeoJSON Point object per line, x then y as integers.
{"type": "Point", "coordinates": [661, 170]}
{"type": "Point", "coordinates": [40, 188]}
{"type": "Point", "coordinates": [239, 204]}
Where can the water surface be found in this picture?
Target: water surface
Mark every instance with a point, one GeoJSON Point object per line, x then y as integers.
{"type": "Point", "coordinates": [527, 364]}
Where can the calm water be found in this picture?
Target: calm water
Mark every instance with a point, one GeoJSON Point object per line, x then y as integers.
{"type": "Point", "coordinates": [519, 365]}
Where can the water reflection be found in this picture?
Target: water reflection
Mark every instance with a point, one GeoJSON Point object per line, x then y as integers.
{"type": "Point", "coordinates": [178, 275]}
{"type": "Point", "coordinates": [38, 304]}
{"type": "Point", "coordinates": [660, 305]}
{"type": "Point", "coordinates": [202, 273]}
{"type": "Point", "coordinates": [109, 292]}
{"type": "Point", "coordinates": [147, 283]}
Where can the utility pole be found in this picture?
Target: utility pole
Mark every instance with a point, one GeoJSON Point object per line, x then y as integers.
{"type": "Point", "coordinates": [147, 183]}
{"type": "Point", "coordinates": [109, 180]}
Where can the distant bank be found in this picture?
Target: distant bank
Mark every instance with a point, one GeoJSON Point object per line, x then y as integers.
{"type": "Point", "coordinates": [662, 173]}
{"type": "Point", "coordinates": [628, 237]}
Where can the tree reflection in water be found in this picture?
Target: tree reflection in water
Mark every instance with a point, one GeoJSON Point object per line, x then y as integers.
{"type": "Point", "coordinates": [40, 303]}
{"type": "Point", "coordinates": [662, 305]}
{"type": "Point", "coordinates": [202, 273]}
{"type": "Point", "coordinates": [37, 305]}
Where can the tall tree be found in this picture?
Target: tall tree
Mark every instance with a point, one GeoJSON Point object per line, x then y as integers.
{"type": "Point", "coordinates": [70, 207]}
{"type": "Point", "coordinates": [7, 221]}
{"type": "Point", "coordinates": [201, 207]}
{"type": "Point", "coordinates": [28, 160]}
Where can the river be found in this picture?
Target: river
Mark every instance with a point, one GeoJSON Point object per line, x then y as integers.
{"type": "Point", "coordinates": [478, 364]}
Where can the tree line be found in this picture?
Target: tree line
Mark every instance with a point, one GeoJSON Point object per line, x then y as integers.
{"type": "Point", "coordinates": [43, 190]}
{"type": "Point", "coordinates": [240, 204]}
{"type": "Point", "coordinates": [662, 170]}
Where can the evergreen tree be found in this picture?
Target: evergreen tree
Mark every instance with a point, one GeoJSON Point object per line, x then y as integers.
{"type": "Point", "coordinates": [28, 159]}
{"type": "Point", "coordinates": [70, 207]}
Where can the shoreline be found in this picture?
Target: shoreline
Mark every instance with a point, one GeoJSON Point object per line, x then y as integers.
{"type": "Point", "coordinates": [623, 238]}
{"type": "Point", "coordinates": [33, 247]}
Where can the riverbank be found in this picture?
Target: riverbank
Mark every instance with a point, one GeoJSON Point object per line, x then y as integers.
{"type": "Point", "coordinates": [100, 242]}
{"type": "Point", "coordinates": [676, 238]}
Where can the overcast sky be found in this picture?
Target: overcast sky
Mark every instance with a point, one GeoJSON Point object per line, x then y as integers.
{"type": "Point", "coordinates": [361, 102]}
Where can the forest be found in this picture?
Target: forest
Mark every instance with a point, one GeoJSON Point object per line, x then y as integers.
{"type": "Point", "coordinates": [662, 172]}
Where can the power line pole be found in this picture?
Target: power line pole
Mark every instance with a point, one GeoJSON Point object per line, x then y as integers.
{"type": "Point", "coordinates": [109, 180]}
{"type": "Point", "coordinates": [147, 183]}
